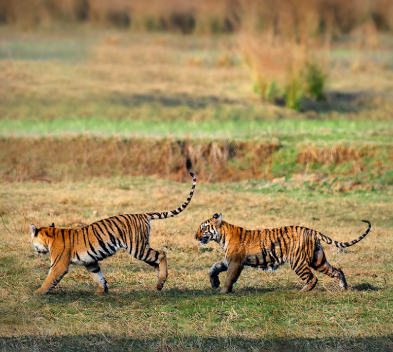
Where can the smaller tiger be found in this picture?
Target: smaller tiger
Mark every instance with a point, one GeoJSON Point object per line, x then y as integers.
{"type": "Point", "coordinates": [269, 249]}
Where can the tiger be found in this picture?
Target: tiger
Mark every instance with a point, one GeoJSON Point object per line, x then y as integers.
{"type": "Point", "coordinates": [90, 244]}
{"type": "Point", "coordinates": [269, 249]}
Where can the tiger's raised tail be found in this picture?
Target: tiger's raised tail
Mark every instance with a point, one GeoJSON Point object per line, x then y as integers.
{"type": "Point", "coordinates": [344, 244]}
{"type": "Point", "coordinates": [169, 214]}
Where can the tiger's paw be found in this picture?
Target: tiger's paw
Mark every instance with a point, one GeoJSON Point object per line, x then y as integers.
{"type": "Point", "coordinates": [102, 292]}
{"type": "Point", "coordinates": [160, 285]}
{"type": "Point", "coordinates": [342, 283]}
{"type": "Point", "coordinates": [40, 292]}
{"type": "Point", "coordinates": [310, 284]}
{"type": "Point", "coordinates": [215, 281]}
{"type": "Point", "coordinates": [226, 290]}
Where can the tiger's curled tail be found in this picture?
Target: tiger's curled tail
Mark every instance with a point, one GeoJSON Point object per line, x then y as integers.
{"type": "Point", "coordinates": [328, 240]}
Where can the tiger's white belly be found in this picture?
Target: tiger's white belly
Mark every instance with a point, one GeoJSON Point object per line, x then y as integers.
{"type": "Point", "coordinates": [82, 259]}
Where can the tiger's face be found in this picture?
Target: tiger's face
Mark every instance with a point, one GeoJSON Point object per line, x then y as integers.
{"type": "Point", "coordinates": [209, 230]}
{"type": "Point", "coordinates": [40, 239]}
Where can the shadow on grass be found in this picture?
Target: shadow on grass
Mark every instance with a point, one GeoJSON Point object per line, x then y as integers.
{"type": "Point", "coordinates": [185, 342]}
{"type": "Point", "coordinates": [210, 291]}
{"type": "Point", "coordinates": [366, 287]}
{"type": "Point", "coordinates": [118, 297]}
{"type": "Point", "coordinates": [340, 102]}
{"type": "Point", "coordinates": [172, 100]}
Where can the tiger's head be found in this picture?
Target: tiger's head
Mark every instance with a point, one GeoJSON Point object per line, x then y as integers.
{"type": "Point", "coordinates": [209, 230]}
{"type": "Point", "coordinates": [40, 238]}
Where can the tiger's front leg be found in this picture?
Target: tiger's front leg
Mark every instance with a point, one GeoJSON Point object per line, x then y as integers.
{"type": "Point", "coordinates": [235, 268]}
{"type": "Point", "coordinates": [56, 273]}
{"type": "Point", "coordinates": [215, 271]}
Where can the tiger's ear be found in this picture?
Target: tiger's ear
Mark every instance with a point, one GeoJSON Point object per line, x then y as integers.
{"type": "Point", "coordinates": [53, 225]}
{"type": "Point", "coordinates": [218, 219]}
{"type": "Point", "coordinates": [33, 230]}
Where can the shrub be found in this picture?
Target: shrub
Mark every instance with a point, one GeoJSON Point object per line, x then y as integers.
{"type": "Point", "coordinates": [294, 91]}
{"type": "Point", "coordinates": [315, 78]}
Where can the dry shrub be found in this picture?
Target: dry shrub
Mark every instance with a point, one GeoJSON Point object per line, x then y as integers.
{"type": "Point", "coordinates": [70, 10]}
{"type": "Point", "coordinates": [334, 155]}
{"type": "Point", "coordinates": [283, 71]}
{"type": "Point", "coordinates": [156, 15]}
{"type": "Point", "coordinates": [328, 184]}
{"type": "Point", "coordinates": [305, 21]}
{"type": "Point", "coordinates": [115, 12]}
{"type": "Point", "coordinates": [284, 46]}
{"type": "Point", "coordinates": [83, 156]}
{"type": "Point", "coordinates": [215, 16]}
{"type": "Point", "coordinates": [23, 13]}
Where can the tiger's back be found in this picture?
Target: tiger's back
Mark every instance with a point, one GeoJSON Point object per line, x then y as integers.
{"type": "Point", "coordinates": [270, 248]}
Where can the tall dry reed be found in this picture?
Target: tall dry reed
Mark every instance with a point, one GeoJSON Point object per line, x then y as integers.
{"type": "Point", "coordinates": [300, 20]}
{"type": "Point", "coordinates": [85, 156]}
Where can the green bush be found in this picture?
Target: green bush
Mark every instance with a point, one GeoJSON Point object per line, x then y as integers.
{"type": "Point", "coordinates": [294, 92]}
{"type": "Point", "coordinates": [268, 91]}
{"type": "Point", "coordinates": [315, 79]}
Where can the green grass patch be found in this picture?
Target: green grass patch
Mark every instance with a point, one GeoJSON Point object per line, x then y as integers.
{"type": "Point", "coordinates": [291, 131]}
{"type": "Point", "coordinates": [64, 49]}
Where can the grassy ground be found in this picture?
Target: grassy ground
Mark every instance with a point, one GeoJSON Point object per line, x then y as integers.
{"type": "Point", "coordinates": [332, 169]}
{"type": "Point", "coordinates": [266, 310]}
{"type": "Point", "coordinates": [286, 131]}
{"type": "Point", "coordinates": [125, 76]}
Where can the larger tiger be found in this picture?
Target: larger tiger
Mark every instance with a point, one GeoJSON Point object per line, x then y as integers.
{"type": "Point", "coordinates": [269, 249]}
{"type": "Point", "coordinates": [88, 245]}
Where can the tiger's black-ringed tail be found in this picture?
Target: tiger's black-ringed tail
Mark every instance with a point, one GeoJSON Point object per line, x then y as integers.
{"type": "Point", "coordinates": [328, 240]}
{"type": "Point", "coordinates": [169, 214]}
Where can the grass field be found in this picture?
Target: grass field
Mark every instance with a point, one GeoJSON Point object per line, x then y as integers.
{"type": "Point", "coordinates": [287, 131]}
{"type": "Point", "coordinates": [82, 116]}
{"type": "Point", "coordinates": [265, 311]}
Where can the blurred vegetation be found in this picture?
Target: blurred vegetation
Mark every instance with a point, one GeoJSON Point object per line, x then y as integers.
{"type": "Point", "coordinates": [287, 18]}
{"type": "Point", "coordinates": [315, 78]}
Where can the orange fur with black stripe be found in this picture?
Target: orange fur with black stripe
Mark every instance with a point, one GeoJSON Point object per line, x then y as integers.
{"type": "Point", "coordinates": [269, 249]}
{"type": "Point", "coordinates": [90, 244]}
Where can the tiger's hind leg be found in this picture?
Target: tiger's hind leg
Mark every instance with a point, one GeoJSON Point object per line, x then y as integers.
{"type": "Point", "coordinates": [215, 271]}
{"type": "Point", "coordinates": [96, 273]}
{"type": "Point", "coordinates": [304, 271]}
{"type": "Point", "coordinates": [158, 261]}
{"type": "Point", "coordinates": [322, 265]}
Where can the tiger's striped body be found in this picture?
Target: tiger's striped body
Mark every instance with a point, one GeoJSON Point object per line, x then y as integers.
{"type": "Point", "coordinates": [269, 249]}
{"type": "Point", "coordinates": [93, 243]}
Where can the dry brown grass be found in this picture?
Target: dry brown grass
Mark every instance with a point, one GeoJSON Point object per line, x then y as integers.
{"type": "Point", "coordinates": [187, 313]}
{"type": "Point", "coordinates": [59, 158]}
{"type": "Point", "coordinates": [335, 155]}
{"type": "Point", "coordinates": [131, 70]}
{"type": "Point", "coordinates": [77, 157]}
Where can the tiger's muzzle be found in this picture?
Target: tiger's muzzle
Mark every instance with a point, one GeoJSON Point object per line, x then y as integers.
{"type": "Point", "coordinates": [203, 239]}
{"type": "Point", "coordinates": [41, 250]}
